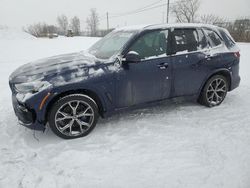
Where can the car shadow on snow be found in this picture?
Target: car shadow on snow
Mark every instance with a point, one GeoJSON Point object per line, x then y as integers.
{"type": "Point", "coordinates": [125, 121]}
{"type": "Point", "coordinates": [149, 120]}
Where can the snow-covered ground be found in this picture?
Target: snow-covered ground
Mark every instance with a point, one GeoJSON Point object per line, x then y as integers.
{"type": "Point", "coordinates": [176, 144]}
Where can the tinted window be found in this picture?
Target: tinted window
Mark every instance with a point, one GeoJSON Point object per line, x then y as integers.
{"type": "Point", "coordinates": [201, 39]}
{"type": "Point", "coordinates": [150, 45]}
{"type": "Point", "coordinates": [213, 38]}
{"type": "Point", "coordinates": [227, 38]}
{"type": "Point", "coordinates": [188, 40]}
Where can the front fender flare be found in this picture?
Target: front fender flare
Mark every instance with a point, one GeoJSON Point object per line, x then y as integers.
{"type": "Point", "coordinates": [58, 92]}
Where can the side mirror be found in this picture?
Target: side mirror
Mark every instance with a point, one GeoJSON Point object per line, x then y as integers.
{"type": "Point", "coordinates": [132, 57]}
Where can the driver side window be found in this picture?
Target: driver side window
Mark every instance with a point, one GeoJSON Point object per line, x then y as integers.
{"type": "Point", "coordinates": [151, 45]}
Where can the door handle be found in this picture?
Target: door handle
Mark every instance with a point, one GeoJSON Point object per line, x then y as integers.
{"type": "Point", "coordinates": [163, 66]}
{"type": "Point", "coordinates": [210, 57]}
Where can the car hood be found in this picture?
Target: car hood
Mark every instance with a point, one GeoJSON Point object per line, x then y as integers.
{"type": "Point", "coordinates": [56, 67]}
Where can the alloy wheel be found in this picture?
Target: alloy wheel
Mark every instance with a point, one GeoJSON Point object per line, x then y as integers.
{"type": "Point", "coordinates": [74, 118]}
{"type": "Point", "coordinates": [216, 91]}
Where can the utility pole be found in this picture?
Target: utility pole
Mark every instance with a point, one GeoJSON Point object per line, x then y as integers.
{"type": "Point", "coordinates": [168, 10]}
{"type": "Point", "coordinates": [163, 17]}
{"type": "Point", "coordinates": [107, 21]}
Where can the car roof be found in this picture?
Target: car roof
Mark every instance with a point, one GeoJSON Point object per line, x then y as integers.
{"type": "Point", "coordinates": [166, 26]}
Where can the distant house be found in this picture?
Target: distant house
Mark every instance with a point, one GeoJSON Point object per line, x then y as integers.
{"type": "Point", "coordinates": [52, 35]}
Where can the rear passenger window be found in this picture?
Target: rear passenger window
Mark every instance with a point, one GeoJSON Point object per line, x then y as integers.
{"type": "Point", "coordinates": [188, 40]}
{"type": "Point", "coordinates": [201, 38]}
{"type": "Point", "coordinates": [213, 38]}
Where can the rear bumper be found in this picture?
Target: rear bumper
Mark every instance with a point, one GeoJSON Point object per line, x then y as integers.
{"type": "Point", "coordinates": [235, 83]}
{"type": "Point", "coordinates": [235, 75]}
{"type": "Point", "coordinates": [26, 116]}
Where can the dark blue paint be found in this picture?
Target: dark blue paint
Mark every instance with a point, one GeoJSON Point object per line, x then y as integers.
{"type": "Point", "coordinates": [135, 84]}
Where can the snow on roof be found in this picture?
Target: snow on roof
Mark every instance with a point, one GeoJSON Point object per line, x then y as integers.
{"type": "Point", "coordinates": [159, 26]}
{"type": "Point", "coordinates": [180, 25]}
{"type": "Point", "coordinates": [132, 28]}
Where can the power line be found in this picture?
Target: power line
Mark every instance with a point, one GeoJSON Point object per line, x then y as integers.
{"type": "Point", "coordinates": [143, 9]}
{"type": "Point", "coordinates": [139, 9]}
{"type": "Point", "coordinates": [136, 12]}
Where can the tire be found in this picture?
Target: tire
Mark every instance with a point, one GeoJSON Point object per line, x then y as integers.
{"type": "Point", "coordinates": [73, 116]}
{"type": "Point", "coordinates": [214, 91]}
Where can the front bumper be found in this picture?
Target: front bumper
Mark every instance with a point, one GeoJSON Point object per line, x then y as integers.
{"type": "Point", "coordinates": [26, 117]}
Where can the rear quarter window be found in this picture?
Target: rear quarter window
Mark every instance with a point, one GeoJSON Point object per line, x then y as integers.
{"type": "Point", "coordinates": [213, 38]}
{"type": "Point", "coordinates": [227, 38]}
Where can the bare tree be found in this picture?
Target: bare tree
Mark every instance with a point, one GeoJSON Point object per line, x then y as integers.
{"type": "Point", "coordinates": [240, 30]}
{"type": "Point", "coordinates": [36, 30]}
{"type": "Point", "coordinates": [63, 24]}
{"type": "Point", "coordinates": [186, 10]}
{"type": "Point", "coordinates": [41, 29]}
{"type": "Point", "coordinates": [52, 29]}
{"type": "Point", "coordinates": [93, 22]}
{"type": "Point", "coordinates": [76, 25]}
{"type": "Point", "coordinates": [212, 19]}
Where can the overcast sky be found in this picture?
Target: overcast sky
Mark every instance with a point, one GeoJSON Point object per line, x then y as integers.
{"type": "Point", "coordinates": [18, 13]}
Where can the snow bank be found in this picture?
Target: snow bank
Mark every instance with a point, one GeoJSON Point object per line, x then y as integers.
{"type": "Point", "coordinates": [176, 144]}
{"type": "Point", "coordinates": [14, 34]}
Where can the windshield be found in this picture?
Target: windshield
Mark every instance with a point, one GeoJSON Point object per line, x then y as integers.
{"type": "Point", "coordinates": [111, 44]}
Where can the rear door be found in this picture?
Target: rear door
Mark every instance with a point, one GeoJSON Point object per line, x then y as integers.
{"type": "Point", "coordinates": [149, 79]}
{"type": "Point", "coordinates": [190, 51]}
{"type": "Point", "coordinates": [217, 56]}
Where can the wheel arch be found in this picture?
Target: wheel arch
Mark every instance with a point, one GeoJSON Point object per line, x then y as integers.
{"type": "Point", "coordinates": [86, 92]}
{"type": "Point", "coordinates": [223, 72]}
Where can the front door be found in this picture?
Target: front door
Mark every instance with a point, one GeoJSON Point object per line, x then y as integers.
{"type": "Point", "coordinates": [149, 79]}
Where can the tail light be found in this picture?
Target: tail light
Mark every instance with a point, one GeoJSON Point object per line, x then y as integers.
{"type": "Point", "coordinates": [237, 54]}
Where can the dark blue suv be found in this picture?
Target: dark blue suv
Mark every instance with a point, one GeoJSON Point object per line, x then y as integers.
{"type": "Point", "coordinates": [130, 67]}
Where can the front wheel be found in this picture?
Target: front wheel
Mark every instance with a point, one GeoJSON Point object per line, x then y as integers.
{"type": "Point", "coordinates": [214, 92]}
{"type": "Point", "coordinates": [73, 116]}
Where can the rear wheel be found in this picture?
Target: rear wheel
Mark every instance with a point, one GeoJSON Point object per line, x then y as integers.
{"type": "Point", "coordinates": [214, 92]}
{"type": "Point", "coordinates": [73, 116]}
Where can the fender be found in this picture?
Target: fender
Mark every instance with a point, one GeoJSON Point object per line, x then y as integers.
{"type": "Point", "coordinates": [221, 70]}
{"type": "Point", "coordinates": [74, 88]}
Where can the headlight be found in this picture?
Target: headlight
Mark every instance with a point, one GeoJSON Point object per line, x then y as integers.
{"type": "Point", "coordinates": [32, 87]}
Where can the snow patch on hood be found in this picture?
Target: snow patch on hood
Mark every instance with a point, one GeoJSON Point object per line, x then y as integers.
{"type": "Point", "coordinates": [60, 70]}
{"type": "Point", "coordinates": [55, 65]}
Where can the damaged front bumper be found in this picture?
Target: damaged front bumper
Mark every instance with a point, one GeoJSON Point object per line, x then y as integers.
{"type": "Point", "coordinates": [26, 116]}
